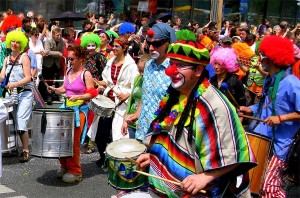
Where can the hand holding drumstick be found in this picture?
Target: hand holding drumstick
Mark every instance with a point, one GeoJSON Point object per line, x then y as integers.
{"type": "Point", "coordinates": [188, 184]}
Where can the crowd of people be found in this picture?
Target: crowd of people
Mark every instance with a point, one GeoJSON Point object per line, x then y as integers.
{"type": "Point", "coordinates": [182, 90]}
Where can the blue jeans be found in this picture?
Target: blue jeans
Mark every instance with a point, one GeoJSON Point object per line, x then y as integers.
{"type": "Point", "coordinates": [131, 132]}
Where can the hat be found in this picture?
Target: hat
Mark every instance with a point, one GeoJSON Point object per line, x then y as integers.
{"type": "Point", "coordinates": [226, 39]}
{"type": "Point", "coordinates": [188, 51]}
{"type": "Point", "coordinates": [237, 37]}
{"type": "Point", "coordinates": [279, 50]}
{"type": "Point", "coordinates": [164, 31]}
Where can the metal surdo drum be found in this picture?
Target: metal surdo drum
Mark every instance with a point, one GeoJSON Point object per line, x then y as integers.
{"type": "Point", "coordinates": [102, 106]}
{"type": "Point", "coordinates": [53, 133]}
{"type": "Point", "coordinates": [261, 147]}
{"type": "Point", "coordinates": [7, 129]}
{"type": "Point", "coordinates": [120, 170]}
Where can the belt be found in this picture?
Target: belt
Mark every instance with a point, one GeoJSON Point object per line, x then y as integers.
{"type": "Point", "coordinates": [20, 89]}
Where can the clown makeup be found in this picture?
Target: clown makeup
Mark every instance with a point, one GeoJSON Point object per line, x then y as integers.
{"type": "Point", "coordinates": [174, 71]}
{"type": "Point", "coordinates": [91, 47]}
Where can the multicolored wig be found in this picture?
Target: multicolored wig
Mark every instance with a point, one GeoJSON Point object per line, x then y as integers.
{"type": "Point", "coordinates": [279, 50]}
{"type": "Point", "coordinates": [16, 35]}
{"type": "Point", "coordinates": [90, 38]}
{"type": "Point", "coordinates": [225, 56]}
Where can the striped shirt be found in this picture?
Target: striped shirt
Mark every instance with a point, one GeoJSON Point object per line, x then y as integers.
{"type": "Point", "coordinates": [115, 71]}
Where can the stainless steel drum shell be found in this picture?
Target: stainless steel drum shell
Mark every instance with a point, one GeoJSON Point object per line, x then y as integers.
{"type": "Point", "coordinates": [102, 106]}
{"type": "Point", "coordinates": [57, 140]}
{"type": "Point", "coordinates": [7, 129]}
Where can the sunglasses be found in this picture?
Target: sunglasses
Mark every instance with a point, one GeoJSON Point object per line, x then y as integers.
{"type": "Point", "coordinates": [71, 59]}
{"type": "Point", "coordinates": [156, 44]}
{"type": "Point", "coordinates": [182, 67]}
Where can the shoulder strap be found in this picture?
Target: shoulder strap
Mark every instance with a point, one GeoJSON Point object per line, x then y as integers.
{"type": "Point", "coordinates": [83, 77]}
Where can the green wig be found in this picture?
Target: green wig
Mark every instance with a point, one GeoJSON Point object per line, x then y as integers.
{"type": "Point", "coordinates": [186, 35]}
{"type": "Point", "coordinates": [19, 36]}
{"type": "Point", "coordinates": [90, 38]}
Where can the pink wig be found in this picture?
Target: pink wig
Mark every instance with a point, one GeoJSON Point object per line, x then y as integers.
{"type": "Point", "coordinates": [226, 57]}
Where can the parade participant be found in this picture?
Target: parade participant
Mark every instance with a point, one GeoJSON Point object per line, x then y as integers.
{"type": "Point", "coordinates": [279, 107]}
{"type": "Point", "coordinates": [155, 82]}
{"type": "Point", "coordinates": [118, 77]}
{"type": "Point", "coordinates": [196, 137]}
{"type": "Point", "coordinates": [95, 63]}
{"type": "Point", "coordinates": [224, 63]}
{"type": "Point", "coordinates": [131, 116]}
{"type": "Point", "coordinates": [79, 88]}
{"type": "Point", "coordinates": [17, 76]}
{"type": "Point", "coordinates": [107, 38]}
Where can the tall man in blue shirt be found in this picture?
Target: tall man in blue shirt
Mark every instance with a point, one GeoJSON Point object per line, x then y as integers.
{"type": "Point", "coordinates": [279, 108]}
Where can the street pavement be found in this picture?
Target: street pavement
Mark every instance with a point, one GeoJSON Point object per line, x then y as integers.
{"type": "Point", "coordinates": [37, 178]}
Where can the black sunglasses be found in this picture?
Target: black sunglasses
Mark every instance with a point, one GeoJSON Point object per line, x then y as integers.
{"type": "Point", "coordinates": [156, 44]}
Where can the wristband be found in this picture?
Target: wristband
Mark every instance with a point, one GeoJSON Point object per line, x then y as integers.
{"type": "Point", "coordinates": [280, 120]}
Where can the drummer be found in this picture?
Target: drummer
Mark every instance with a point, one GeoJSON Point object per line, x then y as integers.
{"type": "Point", "coordinates": [279, 107]}
{"type": "Point", "coordinates": [196, 137]}
{"type": "Point", "coordinates": [78, 87]}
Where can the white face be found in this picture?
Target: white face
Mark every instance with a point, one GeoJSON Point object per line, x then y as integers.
{"type": "Point", "coordinates": [91, 47]}
{"type": "Point", "coordinates": [177, 80]}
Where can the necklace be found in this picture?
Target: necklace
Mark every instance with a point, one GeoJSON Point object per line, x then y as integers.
{"type": "Point", "coordinates": [176, 110]}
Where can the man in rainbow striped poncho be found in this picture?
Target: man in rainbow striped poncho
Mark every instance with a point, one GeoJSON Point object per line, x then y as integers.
{"type": "Point", "coordinates": [196, 137]}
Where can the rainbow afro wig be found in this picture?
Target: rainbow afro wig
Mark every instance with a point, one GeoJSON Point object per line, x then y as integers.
{"type": "Point", "coordinates": [226, 57]}
{"type": "Point", "coordinates": [18, 36]}
{"type": "Point", "coordinates": [279, 50]}
{"type": "Point", "coordinates": [90, 38]}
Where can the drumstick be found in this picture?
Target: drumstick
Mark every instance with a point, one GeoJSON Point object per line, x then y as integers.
{"type": "Point", "coordinates": [225, 86]}
{"type": "Point", "coordinates": [251, 117]}
{"type": "Point", "coordinates": [163, 179]}
{"type": "Point", "coordinates": [132, 160]}
{"type": "Point", "coordinates": [249, 90]}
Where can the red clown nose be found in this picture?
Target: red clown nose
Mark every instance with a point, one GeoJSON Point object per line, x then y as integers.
{"type": "Point", "coordinates": [171, 70]}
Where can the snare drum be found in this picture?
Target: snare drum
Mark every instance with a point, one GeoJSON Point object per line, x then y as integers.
{"type": "Point", "coordinates": [120, 170]}
{"type": "Point", "coordinates": [102, 106]}
{"type": "Point", "coordinates": [261, 147]}
{"type": "Point", "coordinates": [136, 195]}
{"type": "Point", "coordinates": [7, 129]}
{"type": "Point", "coordinates": [57, 140]}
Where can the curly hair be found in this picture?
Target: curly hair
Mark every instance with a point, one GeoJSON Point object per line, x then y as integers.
{"type": "Point", "coordinates": [90, 38]}
{"type": "Point", "coordinates": [18, 36]}
{"type": "Point", "coordinates": [226, 57]}
{"type": "Point", "coordinates": [78, 50]}
{"type": "Point", "coordinates": [279, 50]}
{"type": "Point", "coordinates": [126, 28]}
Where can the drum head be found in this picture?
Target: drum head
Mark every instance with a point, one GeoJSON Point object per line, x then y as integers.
{"type": "Point", "coordinates": [125, 148]}
{"type": "Point", "coordinates": [136, 195]}
{"type": "Point", "coordinates": [103, 101]}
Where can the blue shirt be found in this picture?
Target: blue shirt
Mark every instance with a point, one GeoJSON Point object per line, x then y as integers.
{"type": "Point", "coordinates": [287, 101]}
{"type": "Point", "coordinates": [155, 85]}
{"type": "Point", "coordinates": [32, 57]}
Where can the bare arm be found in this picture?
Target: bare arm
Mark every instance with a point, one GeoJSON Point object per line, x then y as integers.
{"type": "Point", "coordinates": [2, 74]}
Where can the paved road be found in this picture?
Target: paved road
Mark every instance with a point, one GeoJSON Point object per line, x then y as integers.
{"type": "Point", "coordinates": [36, 179]}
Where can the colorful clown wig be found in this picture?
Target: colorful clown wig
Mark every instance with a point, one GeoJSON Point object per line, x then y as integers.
{"type": "Point", "coordinates": [16, 35]}
{"type": "Point", "coordinates": [90, 38]}
{"type": "Point", "coordinates": [279, 50]}
{"type": "Point", "coordinates": [10, 23]}
{"type": "Point", "coordinates": [125, 28]}
{"type": "Point", "coordinates": [188, 51]}
{"type": "Point", "coordinates": [185, 35]}
{"type": "Point", "coordinates": [226, 57]}
{"type": "Point", "coordinates": [243, 50]}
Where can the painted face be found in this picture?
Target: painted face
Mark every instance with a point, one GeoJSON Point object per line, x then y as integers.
{"type": "Point", "coordinates": [91, 47]}
{"type": "Point", "coordinates": [157, 48]}
{"type": "Point", "coordinates": [175, 72]}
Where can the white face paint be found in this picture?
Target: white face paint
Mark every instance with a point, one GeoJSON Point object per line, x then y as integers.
{"type": "Point", "coordinates": [177, 81]}
{"type": "Point", "coordinates": [155, 55]}
{"type": "Point", "coordinates": [91, 46]}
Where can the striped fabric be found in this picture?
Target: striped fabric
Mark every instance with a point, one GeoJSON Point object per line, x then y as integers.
{"type": "Point", "coordinates": [114, 76]}
{"type": "Point", "coordinates": [272, 185]}
{"type": "Point", "coordinates": [219, 141]}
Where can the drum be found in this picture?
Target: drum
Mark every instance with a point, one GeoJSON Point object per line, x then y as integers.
{"type": "Point", "coordinates": [136, 195]}
{"type": "Point", "coordinates": [120, 170]}
{"type": "Point", "coordinates": [102, 106]}
{"type": "Point", "coordinates": [53, 133]}
{"type": "Point", "coordinates": [261, 147]}
{"type": "Point", "coordinates": [7, 129]}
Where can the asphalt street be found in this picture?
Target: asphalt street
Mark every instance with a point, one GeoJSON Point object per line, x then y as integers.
{"type": "Point", "coordinates": [37, 178]}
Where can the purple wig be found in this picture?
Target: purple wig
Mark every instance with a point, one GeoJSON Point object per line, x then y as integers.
{"type": "Point", "coordinates": [225, 56]}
